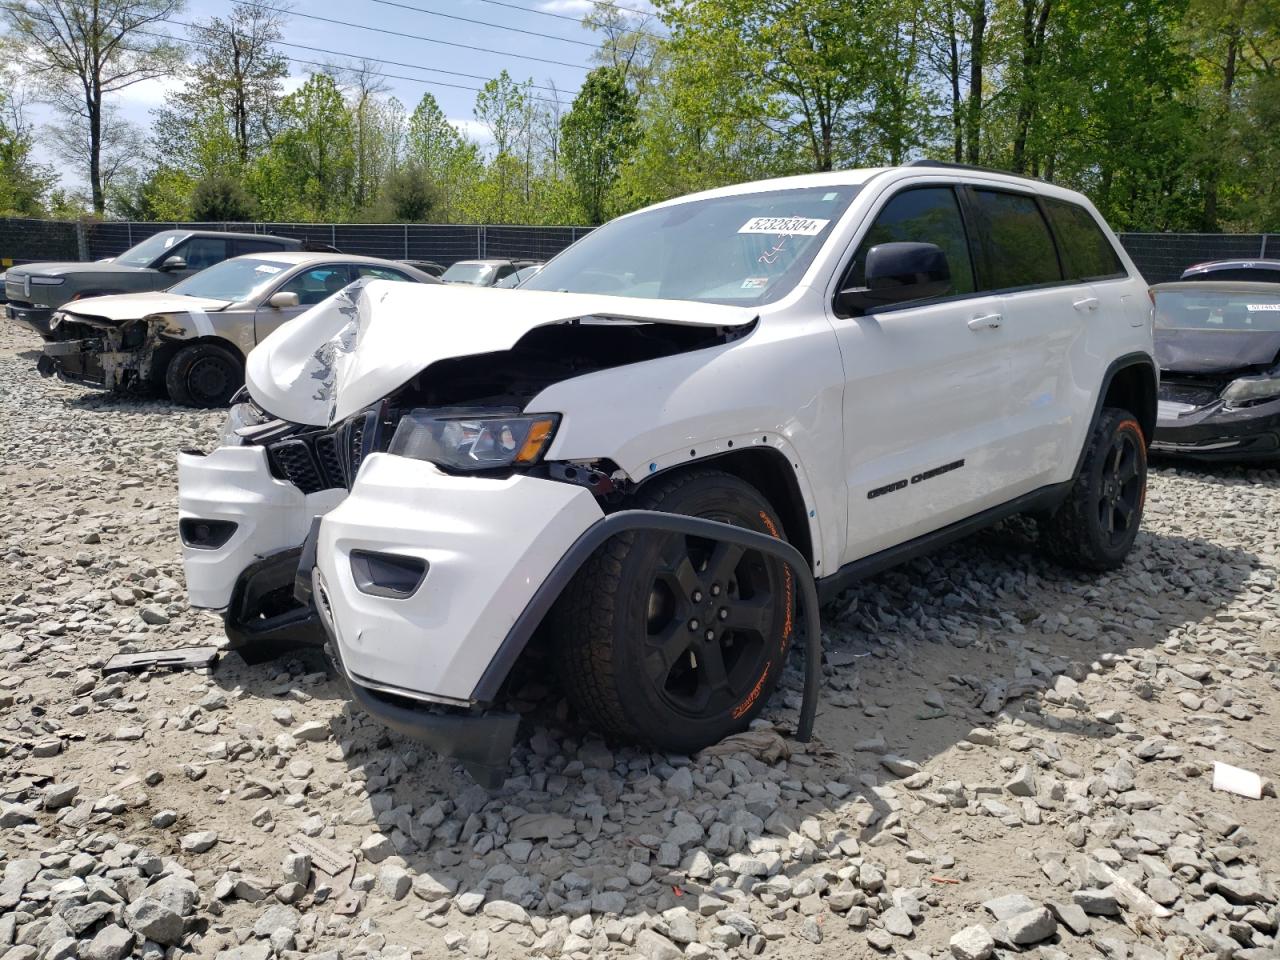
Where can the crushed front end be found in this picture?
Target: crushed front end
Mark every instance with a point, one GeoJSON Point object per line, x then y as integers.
{"type": "Point", "coordinates": [102, 353]}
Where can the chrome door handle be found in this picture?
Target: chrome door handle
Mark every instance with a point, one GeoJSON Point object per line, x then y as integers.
{"type": "Point", "coordinates": [988, 321]}
{"type": "Point", "coordinates": [1088, 303]}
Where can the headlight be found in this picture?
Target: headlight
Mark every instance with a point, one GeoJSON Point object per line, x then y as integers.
{"type": "Point", "coordinates": [48, 281]}
{"type": "Point", "coordinates": [469, 442]}
{"type": "Point", "coordinates": [1248, 390]}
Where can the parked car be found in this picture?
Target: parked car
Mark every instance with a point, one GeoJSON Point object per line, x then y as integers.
{"type": "Point", "coordinates": [520, 276]}
{"type": "Point", "coordinates": [483, 273]}
{"type": "Point", "coordinates": [1218, 346]}
{"type": "Point", "coordinates": [867, 364]}
{"type": "Point", "coordinates": [1249, 271]}
{"type": "Point", "coordinates": [35, 290]}
{"type": "Point", "coordinates": [426, 266]}
{"type": "Point", "coordinates": [191, 340]}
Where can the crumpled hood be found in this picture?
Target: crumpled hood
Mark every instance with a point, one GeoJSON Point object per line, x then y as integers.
{"type": "Point", "coordinates": [376, 335]}
{"type": "Point", "coordinates": [59, 269]}
{"type": "Point", "coordinates": [133, 306]}
{"type": "Point", "coordinates": [1215, 351]}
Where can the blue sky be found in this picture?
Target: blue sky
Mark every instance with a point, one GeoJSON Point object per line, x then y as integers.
{"type": "Point", "coordinates": [514, 50]}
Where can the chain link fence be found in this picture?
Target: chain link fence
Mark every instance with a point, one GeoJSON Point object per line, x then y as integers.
{"type": "Point", "coordinates": [1160, 256]}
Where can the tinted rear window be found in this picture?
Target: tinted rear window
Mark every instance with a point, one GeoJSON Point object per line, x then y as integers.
{"type": "Point", "coordinates": [1019, 249]}
{"type": "Point", "coordinates": [1086, 252]}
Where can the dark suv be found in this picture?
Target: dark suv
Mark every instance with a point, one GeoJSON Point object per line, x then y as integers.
{"type": "Point", "coordinates": [35, 290]}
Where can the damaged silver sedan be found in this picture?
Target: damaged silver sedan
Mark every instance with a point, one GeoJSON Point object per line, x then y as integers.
{"type": "Point", "coordinates": [191, 340]}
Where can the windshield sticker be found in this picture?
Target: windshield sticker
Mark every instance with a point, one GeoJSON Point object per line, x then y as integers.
{"type": "Point", "coordinates": [828, 197]}
{"type": "Point", "coordinates": [169, 242]}
{"type": "Point", "coordinates": [755, 283]}
{"type": "Point", "coordinates": [267, 268]}
{"type": "Point", "coordinates": [1259, 307]}
{"type": "Point", "coordinates": [792, 226]}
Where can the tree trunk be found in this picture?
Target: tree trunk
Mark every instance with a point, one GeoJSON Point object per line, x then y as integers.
{"type": "Point", "coordinates": [95, 153]}
{"type": "Point", "coordinates": [1209, 219]}
{"type": "Point", "coordinates": [241, 118]}
{"type": "Point", "coordinates": [957, 122]}
{"type": "Point", "coordinates": [1034, 23]}
{"type": "Point", "coordinates": [977, 37]}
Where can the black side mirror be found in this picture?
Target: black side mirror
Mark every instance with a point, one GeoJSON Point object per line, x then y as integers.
{"type": "Point", "coordinates": [896, 273]}
{"type": "Point", "coordinates": [173, 263]}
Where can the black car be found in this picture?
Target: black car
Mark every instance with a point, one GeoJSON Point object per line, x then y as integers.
{"type": "Point", "coordinates": [1250, 271]}
{"type": "Point", "coordinates": [1218, 346]}
{"type": "Point", "coordinates": [35, 290]}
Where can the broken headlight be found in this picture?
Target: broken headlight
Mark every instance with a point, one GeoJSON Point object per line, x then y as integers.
{"type": "Point", "coordinates": [458, 441]}
{"type": "Point", "coordinates": [1247, 390]}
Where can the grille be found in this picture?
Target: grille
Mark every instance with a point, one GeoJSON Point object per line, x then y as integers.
{"type": "Point", "coordinates": [1193, 393]}
{"type": "Point", "coordinates": [329, 459]}
{"type": "Point", "coordinates": [293, 460]}
{"type": "Point", "coordinates": [325, 460]}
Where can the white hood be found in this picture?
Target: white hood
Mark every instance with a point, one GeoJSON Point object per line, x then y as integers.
{"type": "Point", "coordinates": [365, 341]}
{"type": "Point", "coordinates": [134, 306]}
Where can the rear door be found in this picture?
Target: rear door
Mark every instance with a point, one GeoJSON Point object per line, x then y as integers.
{"type": "Point", "coordinates": [1043, 317]}
{"type": "Point", "coordinates": [926, 386]}
{"type": "Point", "coordinates": [312, 285]}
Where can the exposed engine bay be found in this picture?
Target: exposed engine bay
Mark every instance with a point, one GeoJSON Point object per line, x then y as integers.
{"type": "Point", "coordinates": [501, 382]}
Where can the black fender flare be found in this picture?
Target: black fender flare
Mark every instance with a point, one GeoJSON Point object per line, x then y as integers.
{"type": "Point", "coordinates": [486, 690]}
{"type": "Point", "coordinates": [1138, 358]}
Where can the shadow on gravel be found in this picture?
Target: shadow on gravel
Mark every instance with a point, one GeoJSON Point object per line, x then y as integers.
{"type": "Point", "coordinates": [585, 825]}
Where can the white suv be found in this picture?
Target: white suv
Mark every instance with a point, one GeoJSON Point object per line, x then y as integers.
{"type": "Point", "coordinates": [867, 364]}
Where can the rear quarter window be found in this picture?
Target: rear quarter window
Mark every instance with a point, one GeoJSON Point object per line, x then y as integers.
{"type": "Point", "coordinates": [1087, 253]}
{"type": "Point", "coordinates": [1016, 243]}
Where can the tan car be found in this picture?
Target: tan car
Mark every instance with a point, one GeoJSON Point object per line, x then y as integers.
{"type": "Point", "coordinates": [192, 339]}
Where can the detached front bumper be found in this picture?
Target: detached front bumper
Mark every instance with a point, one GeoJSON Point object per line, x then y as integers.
{"type": "Point", "coordinates": [80, 361]}
{"type": "Point", "coordinates": [1215, 433]}
{"type": "Point", "coordinates": [481, 548]}
{"type": "Point", "coordinates": [242, 532]}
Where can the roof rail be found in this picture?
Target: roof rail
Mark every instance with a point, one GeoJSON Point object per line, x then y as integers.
{"type": "Point", "coordinates": [952, 165]}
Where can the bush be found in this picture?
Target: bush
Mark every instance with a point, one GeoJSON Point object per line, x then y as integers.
{"type": "Point", "coordinates": [408, 195]}
{"type": "Point", "coordinates": [221, 198]}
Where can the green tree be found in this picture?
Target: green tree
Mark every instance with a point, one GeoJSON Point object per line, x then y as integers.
{"type": "Point", "coordinates": [408, 195]}
{"type": "Point", "coordinates": [599, 134]}
{"type": "Point", "coordinates": [86, 50]}
{"type": "Point", "coordinates": [308, 172]}
{"type": "Point", "coordinates": [446, 159]}
{"type": "Point", "coordinates": [227, 109]}
{"type": "Point", "coordinates": [23, 182]}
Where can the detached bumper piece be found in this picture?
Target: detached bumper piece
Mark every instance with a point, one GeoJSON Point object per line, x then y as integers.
{"type": "Point", "coordinates": [264, 618]}
{"type": "Point", "coordinates": [1214, 432]}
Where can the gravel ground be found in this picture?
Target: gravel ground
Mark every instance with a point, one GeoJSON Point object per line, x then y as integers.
{"type": "Point", "coordinates": [1010, 758]}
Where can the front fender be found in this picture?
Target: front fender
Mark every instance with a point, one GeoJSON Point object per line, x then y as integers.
{"type": "Point", "coordinates": [781, 387]}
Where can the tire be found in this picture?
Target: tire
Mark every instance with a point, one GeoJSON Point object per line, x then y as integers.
{"type": "Point", "coordinates": [1095, 527]}
{"type": "Point", "coordinates": [203, 375]}
{"type": "Point", "coordinates": [641, 588]}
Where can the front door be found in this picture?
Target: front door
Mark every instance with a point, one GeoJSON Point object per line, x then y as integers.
{"type": "Point", "coordinates": [312, 285]}
{"type": "Point", "coordinates": [926, 387]}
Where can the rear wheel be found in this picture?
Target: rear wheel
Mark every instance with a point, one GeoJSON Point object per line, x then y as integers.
{"type": "Point", "coordinates": [203, 375]}
{"type": "Point", "coordinates": [673, 640]}
{"type": "Point", "coordinates": [1096, 526]}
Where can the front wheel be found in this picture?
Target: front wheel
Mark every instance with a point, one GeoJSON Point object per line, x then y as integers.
{"type": "Point", "coordinates": [1095, 527]}
{"type": "Point", "coordinates": [677, 641]}
{"type": "Point", "coordinates": [203, 375]}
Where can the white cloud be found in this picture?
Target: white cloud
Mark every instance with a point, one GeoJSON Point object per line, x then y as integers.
{"type": "Point", "coordinates": [472, 130]}
{"type": "Point", "coordinates": [147, 93]}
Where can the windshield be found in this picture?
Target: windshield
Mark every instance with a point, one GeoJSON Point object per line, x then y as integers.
{"type": "Point", "coordinates": [1241, 308]}
{"type": "Point", "coordinates": [144, 254]}
{"type": "Point", "coordinates": [234, 280]}
{"type": "Point", "coordinates": [744, 249]}
{"type": "Point", "coordinates": [476, 274]}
